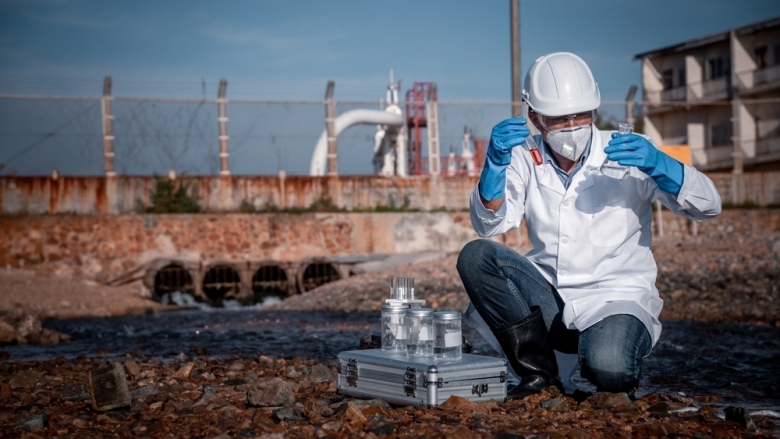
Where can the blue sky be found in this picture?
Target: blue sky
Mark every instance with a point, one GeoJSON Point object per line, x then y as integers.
{"type": "Point", "coordinates": [288, 50]}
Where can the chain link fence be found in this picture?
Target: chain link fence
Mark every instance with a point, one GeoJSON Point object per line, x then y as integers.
{"type": "Point", "coordinates": [40, 134]}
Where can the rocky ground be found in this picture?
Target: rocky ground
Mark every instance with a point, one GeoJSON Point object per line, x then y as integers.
{"type": "Point", "coordinates": [277, 398]}
{"type": "Point", "coordinates": [733, 277]}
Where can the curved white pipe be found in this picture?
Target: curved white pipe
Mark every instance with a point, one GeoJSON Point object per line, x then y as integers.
{"type": "Point", "coordinates": [344, 121]}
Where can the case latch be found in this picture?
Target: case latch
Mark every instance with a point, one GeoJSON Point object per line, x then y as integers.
{"type": "Point", "coordinates": [352, 372]}
{"type": "Point", "coordinates": [410, 381]}
{"type": "Point", "coordinates": [479, 389]}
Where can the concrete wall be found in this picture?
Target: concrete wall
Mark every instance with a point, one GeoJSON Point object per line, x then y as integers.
{"type": "Point", "coordinates": [40, 195]}
{"type": "Point", "coordinates": [104, 246]}
{"type": "Point", "coordinates": [120, 195]}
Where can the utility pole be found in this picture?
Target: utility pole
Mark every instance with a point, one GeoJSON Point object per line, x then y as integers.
{"type": "Point", "coordinates": [108, 128]}
{"type": "Point", "coordinates": [736, 128]}
{"type": "Point", "coordinates": [223, 135]}
{"type": "Point", "coordinates": [514, 13]}
{"type": "Point", "coordinates": [330, 126]}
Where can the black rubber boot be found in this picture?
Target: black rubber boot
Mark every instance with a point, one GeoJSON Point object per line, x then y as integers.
{"type": "Point", "coordinates": [530, 355]}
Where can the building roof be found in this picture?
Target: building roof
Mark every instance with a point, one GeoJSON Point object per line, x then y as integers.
{"type": "Point", "coordinates": [711, 39]}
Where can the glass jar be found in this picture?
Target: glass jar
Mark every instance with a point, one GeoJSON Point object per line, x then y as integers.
{"type": "Point", "coordinates": [419, 326]}
{"type": "Point", "coordinates": [393, 329]}
{"type": "Point", "coordinates": [447, 335]}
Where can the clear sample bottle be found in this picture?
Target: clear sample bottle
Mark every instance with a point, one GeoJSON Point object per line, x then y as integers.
{"type": "Point", "coordinates": [393, 328]}
{"type": "Point", "coordinates": [419, 325]}
{"type": "Point", "coordinates": [447, 335]}
{"type": "Point", "coordinates": [614, 169]}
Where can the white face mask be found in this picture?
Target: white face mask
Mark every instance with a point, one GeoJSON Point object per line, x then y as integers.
{"type": "Point", "coordinates": [569, 142]}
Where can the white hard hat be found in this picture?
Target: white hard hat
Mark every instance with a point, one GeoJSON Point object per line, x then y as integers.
{"type": "Point", "coordinates": [559, 84]}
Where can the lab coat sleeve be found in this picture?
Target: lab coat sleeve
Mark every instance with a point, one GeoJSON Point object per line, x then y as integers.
{"type": "Point", "coordinates": [489, 223]}
{"type": "Point", "coordinates": [698, 198]}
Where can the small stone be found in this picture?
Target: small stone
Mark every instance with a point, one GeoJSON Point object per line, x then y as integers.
{"type": "Point", "coordinates": [285, 414]}
{"type": "Point", "coordinates": [388, 428]}
{"type": "Point", "coordinates": [460, 404]}
{"type": "Point", "coordinates": [321, 374]}
{"type": "Point", "coordinates": [355, 415]}
{"type": "Point", "coordinates": [208, 395]}
{"type": "Point", "coordinates": [331, 426]}
{"type": "Point", "coordinates": [144, 391]}
{"type": "Point", "coordinates": [133, 370]}
{"type": "Point", "coordinates": [25, 379]}
{"type": "Point", "coordinates": [180, 358]}
{"type": "Point", "coordinates": [35, 421]}
{"type": "Point", "coordinates": [184, 371]}
{"type": "Point", "coordinates": [272, 393]}
{"type": "Point", "coordinates": [108, 388]}
{"type": "Point", "coordinates": [608, 400]}
{"type": "Point", "coordinates": [660, 408]}
{"type": "Point", "coordinates": [741, 417]}
{"type": "Point", "coordinates": [362, 404]}
{"type": "Point", "coordinates": [80, 394]}
{"type": "Point", "coordinates": [555, 405]}
{"type": "Point", "coordinates": [554, 391]}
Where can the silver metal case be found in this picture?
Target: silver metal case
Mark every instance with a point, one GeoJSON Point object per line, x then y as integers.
{"type": "Point", "coordinates": [422, 382]}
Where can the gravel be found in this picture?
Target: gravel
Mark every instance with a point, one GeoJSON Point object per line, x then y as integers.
{"type": "Point", "coordinates": [729, 277]}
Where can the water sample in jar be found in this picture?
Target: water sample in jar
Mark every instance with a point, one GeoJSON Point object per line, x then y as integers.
{"type": "Point", "coordinates": [419, 326]}
{"type": "Point", "coordinates": [393, 328]}
{"type": "Point", "coordinates": [614, 169]}
{"type": "Point", "coordinates": [447, 335]}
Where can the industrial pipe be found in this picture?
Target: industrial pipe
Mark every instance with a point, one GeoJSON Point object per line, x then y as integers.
{"type": "Point", "coordinates": [344, 121]}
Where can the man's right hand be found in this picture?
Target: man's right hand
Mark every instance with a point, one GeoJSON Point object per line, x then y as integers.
{"type": "Point", "coordinates": [505, 136]}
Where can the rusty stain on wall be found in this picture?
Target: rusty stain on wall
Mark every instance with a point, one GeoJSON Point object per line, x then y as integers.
{"type": "Point", "coordinates": [117, 195]}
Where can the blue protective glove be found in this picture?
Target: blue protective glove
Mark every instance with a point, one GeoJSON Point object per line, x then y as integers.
{"type": "Point", "coordinates": [634, 150]}
{"type": "Point", "coordinates": [505, 136]}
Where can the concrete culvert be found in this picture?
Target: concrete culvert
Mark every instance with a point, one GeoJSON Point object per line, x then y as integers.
{"type": "Point", "coordinates": [221, 282]}
{"type": "Point", "coordinates": [173, 277]}
{"type": "Point", "coordinates": [270, 281]}
{"type": "Point", "coordinates": [317, 273]}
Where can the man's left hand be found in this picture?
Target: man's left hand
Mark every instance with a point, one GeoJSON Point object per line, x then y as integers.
{"type": "Point", "coordinates": [634, 150]}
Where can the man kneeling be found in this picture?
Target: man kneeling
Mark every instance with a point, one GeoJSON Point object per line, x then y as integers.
{"type": "Point", "coordinates": [587, 287]}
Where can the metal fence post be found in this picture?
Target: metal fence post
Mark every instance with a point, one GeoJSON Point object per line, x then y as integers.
{"type": "Point", "coordinates": [108, 128]}
{"type": "Point", "coordinates": [330, 126]}
{"type": "Point", "coordinates": [223, 135]}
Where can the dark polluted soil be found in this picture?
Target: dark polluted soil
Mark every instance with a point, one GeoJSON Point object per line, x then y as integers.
{"type": "Point", "coordinates": [276, 398]}
{"type": "Point", "coordinates": [272, 375]}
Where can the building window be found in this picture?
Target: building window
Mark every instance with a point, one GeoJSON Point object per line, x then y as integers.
{"type": "Point", "coordinates": [717, 67]}
{"type": "Point", "coordinates": [760, 53]}
{"type": "Point", "coordinates": [666, 79]}
{"type": "Point", "coordinates": [777, 55]}
{"type": "Point", "coordinates": [720, 134]}
{"type": "Point", "coordinates": [681, 77]}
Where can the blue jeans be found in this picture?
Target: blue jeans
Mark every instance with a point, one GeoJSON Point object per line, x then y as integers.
{"type": "Point", "coordinates": [503, 285]}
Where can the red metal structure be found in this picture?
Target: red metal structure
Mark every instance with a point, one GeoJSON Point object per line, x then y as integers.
{"type": "Point", "coordinates": [416, 120]}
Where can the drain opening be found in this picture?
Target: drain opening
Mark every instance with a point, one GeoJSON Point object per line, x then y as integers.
{"type": "Point", "coordinates": [221, 282]}
{"type": "Point", "coordinates": [270, 280]}
{"type": "Point", "coordinates": [318, 273]}
{"type": "Point", "coordinates": [173, 277]}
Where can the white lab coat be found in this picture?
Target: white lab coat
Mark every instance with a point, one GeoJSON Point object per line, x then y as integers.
{"type": "Point", "coordinates": [592, 241]}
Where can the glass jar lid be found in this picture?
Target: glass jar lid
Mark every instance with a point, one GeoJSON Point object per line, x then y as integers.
{"type": "Point", "coordinates": [394, 309]}
{"type": "Point", "coordinates": [419, 312]}
{"type": "Point", "coordinates": [446, 315]}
